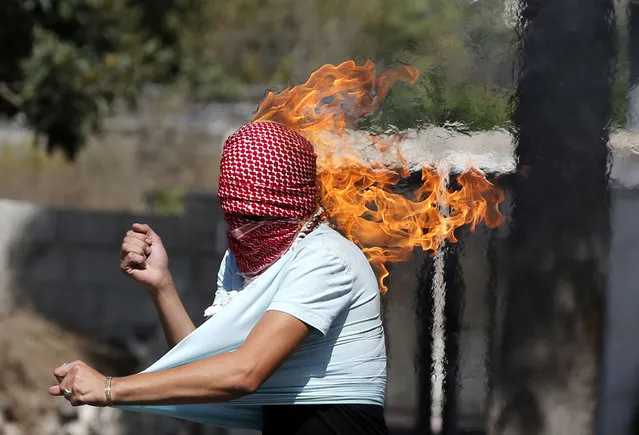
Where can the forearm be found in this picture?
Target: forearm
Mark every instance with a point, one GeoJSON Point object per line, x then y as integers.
{"type": "Point", "coordinates": [175, 320]}
{"type": "Point", "coordinates": [215, 379]}
{"type": "Point", "coordinates": [222, 377]}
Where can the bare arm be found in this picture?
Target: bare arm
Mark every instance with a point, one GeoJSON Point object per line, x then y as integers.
{"type": "Point", "coordinates": [175, 321]}
{"type": "Point", "coordinates": [216, 379]}
{"type": "Point", "coordinates": [144, 258]}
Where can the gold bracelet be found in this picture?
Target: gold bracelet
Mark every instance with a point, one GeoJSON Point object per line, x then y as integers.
{"type": "Point", "coordinates": [107, 389]}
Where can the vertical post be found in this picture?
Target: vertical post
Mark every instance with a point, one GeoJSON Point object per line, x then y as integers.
{"type": "Point", "coordinates": [440, 301]}
{"type": "Point", "coordinates": [424, 306]}
{"type": "Point", "coordinates": [556, 261]}
{"type": "Point", "coordinates": [438, 355]}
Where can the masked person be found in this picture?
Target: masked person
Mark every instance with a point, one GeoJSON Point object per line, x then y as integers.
{"type": "Point", "coordinates": [294, 342]}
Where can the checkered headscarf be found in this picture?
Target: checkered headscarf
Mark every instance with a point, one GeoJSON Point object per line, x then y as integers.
{"type": "Point", "coordinates": [267, 171]}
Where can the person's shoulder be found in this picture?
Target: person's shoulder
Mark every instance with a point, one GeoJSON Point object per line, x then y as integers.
{"type": "Point", "coordinates": [329, 240]}
{"type": "Point", "coordinates": [329, 243]}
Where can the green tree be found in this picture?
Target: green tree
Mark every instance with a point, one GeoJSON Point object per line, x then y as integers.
{"type": "Point", "coordinates": [72, 59]}
{"type": "Point", "coordinates": [462, 50]}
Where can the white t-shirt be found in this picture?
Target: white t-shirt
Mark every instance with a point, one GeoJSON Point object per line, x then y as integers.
{"type": "Point", "coordinates": [323, 280]}
{"type": "Point", "coordinates": [331, 287]}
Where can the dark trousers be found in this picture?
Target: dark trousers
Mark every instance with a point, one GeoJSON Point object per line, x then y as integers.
{"type": "Point", "coordinates": [324, 420]}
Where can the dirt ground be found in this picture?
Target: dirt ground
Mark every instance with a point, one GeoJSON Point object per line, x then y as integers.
{"type": "Point", "coordinates": [31, 347]}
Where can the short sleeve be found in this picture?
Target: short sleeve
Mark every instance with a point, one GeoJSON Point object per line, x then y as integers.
{"type": "Point", "coordinates": [228, 277]}
{"type": "Point", "coordinates": [315, 289]}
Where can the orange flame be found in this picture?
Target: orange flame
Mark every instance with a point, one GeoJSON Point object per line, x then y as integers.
{"type": "Point", "coordinates": [361, 197]}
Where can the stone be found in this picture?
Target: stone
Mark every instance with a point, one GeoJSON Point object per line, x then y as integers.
{"type": "Point", "coordinates": [6, 412]}
{"type": "Point", "coordinates": [49, 424]}
{"type": "Point", "coordinates": [110, 422]}
{"type": "Point", "coordinates": [12, 429]}
{"type": "Point", "coordinates": [5, 403]}
{"type": "Point", "coordinates": [75, 428]}
{"type": "Point", "coordinates": [88, 415]}
{"type": "Point", "coordinates": [66, 411]}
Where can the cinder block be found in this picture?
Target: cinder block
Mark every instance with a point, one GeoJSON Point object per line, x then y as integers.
{"type": "Point", "coordinates": [123, 309]}
{"type": "Point", "coordinates": [43, 264]}
{"type": "Point", "coordinates": [90, 228]}
{"type": "Point", "coordinates": [474, 266]}
{"type": "Point", "coordinates": [204, 223]}
{"type": "Point", "coordinates": [400, 324]}
{"type": "Point", "coordinates": [204, 243]}
{"type": "Point", "coordinates": [199, 213]}
{"type": "Point", "coordinates": [180, 268]}
{"type": "Point", "coordinates": [96, 266]}
{"type": "Point", "coordinates": [207, 237]}
{"type": "Point", "coordinates": [472, 373]}
{"type": "Point", "coordinates": [203, 286]}
{"type": "Point", "coordinates": [50, 299]}
{"type": "Point", "coordinates": [204, 270]}
{"type": "Point", "coordinates": [73, 305]}
{"type": "Point", "coordinates": [221, 244]}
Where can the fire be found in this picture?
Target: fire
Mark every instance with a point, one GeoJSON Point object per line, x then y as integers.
{"type": "Point", "coordinates": [361, 197]}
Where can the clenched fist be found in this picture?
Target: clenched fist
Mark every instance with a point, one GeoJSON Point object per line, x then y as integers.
{"type": "Point", "coordinates": [144, 258]}
{"type": "Point", "coordinates": [84, 385]}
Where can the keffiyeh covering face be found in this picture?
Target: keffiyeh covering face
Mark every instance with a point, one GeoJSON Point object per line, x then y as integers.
{"type": "Point", "coordinates": [267, 191]}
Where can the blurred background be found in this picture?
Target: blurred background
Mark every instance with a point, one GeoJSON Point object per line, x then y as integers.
{"type": "Point", "coordinates": [115, 111]}
{"type": "Point", "coordinates": [150, 87]}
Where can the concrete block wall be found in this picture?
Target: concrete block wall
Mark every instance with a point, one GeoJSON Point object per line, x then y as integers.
{"type": "Point", "coordinates": [66, 263]}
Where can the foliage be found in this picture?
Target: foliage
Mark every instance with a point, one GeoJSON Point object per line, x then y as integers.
{"type": "Point", "coordinates": [77, 56]}
{"type": "Point", "coordinates": [64, 62]}
{"type": "Point", "coordinates": [169, 201]}
{"type": "Point", "coordinates": [461, 49]}
{"type": "Point", "coordinates": [619, 100]}
{"type": "Point", "coordinates": [466, 107]}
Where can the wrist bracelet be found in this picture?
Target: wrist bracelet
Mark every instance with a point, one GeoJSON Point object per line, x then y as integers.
{"type": "Point", "coordinates": [107, 389]}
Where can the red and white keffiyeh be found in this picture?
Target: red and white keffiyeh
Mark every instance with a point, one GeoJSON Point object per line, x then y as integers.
{"type": "Point", "coordinates": [268, 191]}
